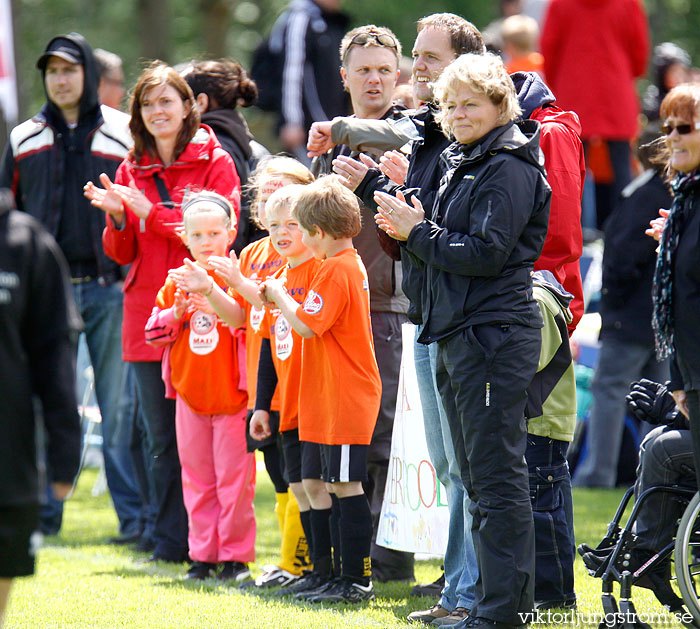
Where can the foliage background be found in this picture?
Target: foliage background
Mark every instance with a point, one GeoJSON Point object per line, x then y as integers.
{"type": "Point", "coordinates": [178, 30]}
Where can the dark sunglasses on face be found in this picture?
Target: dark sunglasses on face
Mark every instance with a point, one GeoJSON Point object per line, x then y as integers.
{"type": "Point", "coordinates": [683, 129]}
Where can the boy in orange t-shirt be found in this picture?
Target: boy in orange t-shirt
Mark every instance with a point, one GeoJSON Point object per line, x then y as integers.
{"type": "Point", "coordinates": [340, 388]}
{"type": "Point", "coordinates": [280, 362]}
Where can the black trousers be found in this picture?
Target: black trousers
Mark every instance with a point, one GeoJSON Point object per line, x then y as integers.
{"type": "Point", "coordinates": [483, 373]}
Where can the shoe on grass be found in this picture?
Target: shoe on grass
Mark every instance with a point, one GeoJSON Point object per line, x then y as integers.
{"type": "Point", "coordinates": [430, 590]}
{"type": "Point", "coordinates": [457, 615]}
{"type": "Point", "coordinates": [233, 571]}
{"type": "Point", "coordinates": [274, 578]}
{"type": "Point", "coordinates": [307, 582]}
{"type": "Point", "coordinates": [345, 590]}
{"type": "Point", "coordinates": [200, 570]}
{"type": "Point", "coordinates": [426, 616]}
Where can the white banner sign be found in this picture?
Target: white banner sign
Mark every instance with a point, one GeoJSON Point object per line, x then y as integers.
{"type": "Point", "coordinates": [414, 516]}
{"type": "Point", "coordinates": [8, 84]}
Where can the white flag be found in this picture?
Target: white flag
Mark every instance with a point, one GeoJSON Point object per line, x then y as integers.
{"type": "Point", "coordinates": [8, 83]}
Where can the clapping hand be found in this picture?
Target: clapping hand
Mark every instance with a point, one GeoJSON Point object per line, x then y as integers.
{"type": "Point", "coordinates": [396, 217]}
{"type": "Point", "coordinates": [394, 165]}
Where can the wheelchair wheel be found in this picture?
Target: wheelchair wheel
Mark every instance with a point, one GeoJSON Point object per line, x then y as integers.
{"type": "Point", "coordinates": [687, 557]}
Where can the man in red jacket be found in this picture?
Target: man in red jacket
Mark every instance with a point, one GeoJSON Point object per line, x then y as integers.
{"type": "Point", "coordinates": [593, 52]}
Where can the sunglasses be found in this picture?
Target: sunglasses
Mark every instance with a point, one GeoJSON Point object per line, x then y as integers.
{"type": "Point", "coordinates": [683, 129]}
{"type": "Point", "coordinates": [381, 39]}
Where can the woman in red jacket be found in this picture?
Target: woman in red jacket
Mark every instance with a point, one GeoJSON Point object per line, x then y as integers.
{"type": "Point", "coordinates": [173, 154]}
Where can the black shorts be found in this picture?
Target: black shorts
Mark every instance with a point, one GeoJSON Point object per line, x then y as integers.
{"type": "Point", "coordinates": [19, 539]}
{"type": "Point", "coordinates": [344, 463]}
{"type": "Point", "coordinates": [254, 444]}
{"type": "Point", "coordinates": [301, 458]}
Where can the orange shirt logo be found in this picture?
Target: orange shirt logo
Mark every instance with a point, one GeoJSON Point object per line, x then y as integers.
{"type": "Point", "coordinates": [313, 303]}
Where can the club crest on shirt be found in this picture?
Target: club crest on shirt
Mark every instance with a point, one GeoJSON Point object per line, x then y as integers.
{"type": "Point", "coordinates": [204, 335]}
{"type": "Point", "coordinates": [284, 341]}
{"type": "Point", "coordinates": [313, 303]}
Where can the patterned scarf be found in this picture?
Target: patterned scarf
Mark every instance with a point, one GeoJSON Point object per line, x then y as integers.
{"type": "Point", "coordinates": [662, 291]}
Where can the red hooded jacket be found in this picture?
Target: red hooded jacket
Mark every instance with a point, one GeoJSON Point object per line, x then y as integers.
{"type": "Point", "coordinates": [566, 170]}
{"type": "Point", "coordinates": [152, 246]}
{"type": "Point", "coordinates": [593, 52]}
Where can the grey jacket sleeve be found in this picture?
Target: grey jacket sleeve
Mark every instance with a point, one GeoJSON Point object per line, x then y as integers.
{"type": "Point", "coordinates": [377, 135]}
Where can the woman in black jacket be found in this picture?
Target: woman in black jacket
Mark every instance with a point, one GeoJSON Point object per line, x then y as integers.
{"type": "Point", "coordinates": [220, 87]}
{"type": "Point", "coordinates": [477, 251]}
{"type": "Point", "coordinates": [677, 277]}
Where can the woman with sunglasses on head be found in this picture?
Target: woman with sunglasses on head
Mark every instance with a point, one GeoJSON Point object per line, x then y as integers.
{"type": "Point", "coordinates": [172, 155]}
{"type": "Point", "coordinates": [676, 290]}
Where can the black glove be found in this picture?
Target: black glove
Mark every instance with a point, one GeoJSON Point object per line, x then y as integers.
{"type": "Point", "coordinates": [651, 402]}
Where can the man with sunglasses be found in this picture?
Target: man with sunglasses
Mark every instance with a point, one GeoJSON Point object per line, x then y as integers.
{"type": "Point", "coordinates": [442, 37]}
{"type": "Point", "coordinates": [369, 70]}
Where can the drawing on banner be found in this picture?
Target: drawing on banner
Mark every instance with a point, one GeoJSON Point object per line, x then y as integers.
{"type": "Point", "coordinates": [414, 516]}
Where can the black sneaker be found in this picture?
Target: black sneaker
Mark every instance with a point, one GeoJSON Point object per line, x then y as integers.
{"type": "Point", "coordinates": [307, 594]}
{"type": "Point", "coordinates": [308, 582]}
{"type": "Point", "coordinates": [201, 570]}
{"type": "Point", "coordinates": [233, 571]}
{"type": "Point", "coordinates": [345, 590]}
{"type": "Point", "coordinates": [430, 590]}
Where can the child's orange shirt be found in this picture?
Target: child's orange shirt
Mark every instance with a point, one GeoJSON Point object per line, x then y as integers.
{"type": "Point", "coordinates": [340, 388]}
{"type": "Point", "coordinates": [257, 261]}
{"type": "Point", "coordinates": [204, 359]}
{"type": "Point", "coordinates": [285, 342]}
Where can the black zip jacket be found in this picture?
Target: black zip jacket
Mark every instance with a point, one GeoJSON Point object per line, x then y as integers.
{"type": "Point", "coordinates": [39, 326]}
{"type": "Point", "coordinates": [46, 164]}
{"type": "Point", "coordinates": [486, 230]}
{"type": "Point", "coordinates": [686, 292]}
{"type": "Point", "coordinates": [422, 180]}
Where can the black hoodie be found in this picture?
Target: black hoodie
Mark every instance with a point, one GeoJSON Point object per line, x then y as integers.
{"type": "Point", "coordinates": [46, 164]}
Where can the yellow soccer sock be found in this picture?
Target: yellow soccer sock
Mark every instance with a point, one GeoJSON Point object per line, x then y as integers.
{"type": "Point", "coordinates": [281, 501]}
{"type": "Point", "coordinates": [295, 549]}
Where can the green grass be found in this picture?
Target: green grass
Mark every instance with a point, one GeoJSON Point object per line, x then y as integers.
{"type": "Point", "coordinates": [81, 581]}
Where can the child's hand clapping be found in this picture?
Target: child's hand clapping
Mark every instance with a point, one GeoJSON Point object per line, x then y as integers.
{"type": "Point", "coordinates": [200, 302]}
{"type": "Point", "coordinates": [228, 269]}
{"type": "Point", "coordinates": [192, 279]}
{"type": "Point", "coordinates": [272, 291]}
{"type": "Point", "coordinates": [181, 303]}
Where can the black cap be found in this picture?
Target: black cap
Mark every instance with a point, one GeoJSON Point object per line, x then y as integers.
{"type": "Point", "coordinates": [64, 49]}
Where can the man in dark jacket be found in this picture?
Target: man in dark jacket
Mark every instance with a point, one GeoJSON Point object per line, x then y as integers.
{"type": "Point", "coordinates": [442, 37]}
{"type": "Point", "coordinates": [309, 33]}
{"type": "Point", "coordinates": [46, 163]}
{"type": "Point", "coordinates": [369, 59]}
{"type": "Point", "coordinates": [39, 325]}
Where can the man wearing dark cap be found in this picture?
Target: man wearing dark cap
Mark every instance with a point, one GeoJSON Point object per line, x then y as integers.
{"type": "Point", "coordinates": [46, 163]}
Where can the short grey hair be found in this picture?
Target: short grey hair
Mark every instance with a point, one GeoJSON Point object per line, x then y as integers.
{"type": "Point", "coordinates": [484, 74]}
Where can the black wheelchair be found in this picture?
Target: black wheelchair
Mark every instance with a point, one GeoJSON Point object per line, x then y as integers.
{"type": "Point", "coordinates": [672, 573]}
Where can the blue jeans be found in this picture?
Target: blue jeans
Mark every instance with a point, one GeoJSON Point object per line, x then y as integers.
{"type": "Point", "coordinates": [170, 534]}
{"type": "Point", "coordinates": [553, 514]}
{"type": "Point", "coordinates": [619, 364]}
{"type": "Point", "coordinates": [460, 560]}
{"type": "Point", "coordinates": [101, 309]}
